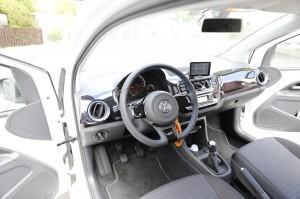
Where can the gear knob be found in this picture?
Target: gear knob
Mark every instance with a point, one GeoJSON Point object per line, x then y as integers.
{"type": "Point", "coordinates": [212, 146]}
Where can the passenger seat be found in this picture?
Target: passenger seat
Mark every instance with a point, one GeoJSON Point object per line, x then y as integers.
{"type": "Point", "coordinates": [270, 164]}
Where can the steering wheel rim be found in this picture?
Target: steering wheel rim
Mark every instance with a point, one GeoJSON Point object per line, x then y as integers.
{"type": "Point", "coordinates": [126, 113]}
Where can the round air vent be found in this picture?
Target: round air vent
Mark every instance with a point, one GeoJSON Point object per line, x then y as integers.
{"type": "Point", "coordinates": [98, 111]}
{"type": "Point", "coordinates": [262, 78]}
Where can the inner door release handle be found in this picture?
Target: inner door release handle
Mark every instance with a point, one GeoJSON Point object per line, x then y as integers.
{"type": "Point", "coordinates": [295, 87]}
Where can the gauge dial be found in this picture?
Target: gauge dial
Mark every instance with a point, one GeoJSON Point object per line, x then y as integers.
{"type": "Point", "coordinates": [150, 87]}
{"type": "Point", "coordinates": [138, 86]}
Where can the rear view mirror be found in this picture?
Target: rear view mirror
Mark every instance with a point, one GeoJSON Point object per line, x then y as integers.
{"type": "Point", "coordinates": [222, 25]}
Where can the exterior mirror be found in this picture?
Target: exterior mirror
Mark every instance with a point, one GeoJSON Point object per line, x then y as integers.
{"type": "Point", "coordinates": [9, 90]}
{"type": "Point", "coordinates": [222, 25]}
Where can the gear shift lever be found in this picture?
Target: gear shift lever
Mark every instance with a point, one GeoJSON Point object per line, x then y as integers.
{"type": "Point", "coordinates": [212, 147]}
{"type": "Point", "coordinates": [213, 161]}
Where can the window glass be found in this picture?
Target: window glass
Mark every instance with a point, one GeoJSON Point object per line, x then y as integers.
{"type": "Point", "coordinates": [287, 54]}
{"type": "Point", "coordinates": [10, 97]}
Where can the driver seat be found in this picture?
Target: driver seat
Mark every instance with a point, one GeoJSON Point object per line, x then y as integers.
{"type": "Point", "coordinates": [194, 187]}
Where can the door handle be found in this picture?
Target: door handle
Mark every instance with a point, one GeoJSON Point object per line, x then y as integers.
{"type": "Point", "coordinates": [295, 87]}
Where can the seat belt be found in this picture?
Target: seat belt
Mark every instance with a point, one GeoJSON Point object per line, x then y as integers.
{"type": "Point", "coordinates": [254, 184]}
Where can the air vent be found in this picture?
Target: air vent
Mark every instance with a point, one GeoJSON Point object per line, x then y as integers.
{"type": "Point", "coordinates": [262, 78]}
{"type": "Point", "coordinates": [98, 111]}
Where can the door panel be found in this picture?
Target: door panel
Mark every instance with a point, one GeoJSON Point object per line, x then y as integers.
{"type": "Point", "coordinates": [280, 111]}
{"type": "Point", "coordinates": [271, 113]}
{"type": "Point", "coordinates": [25, 177]}
{"type": "Point", "coordinates": [29, 122]}
{"type": "Point", "coordinates": [28, 129]}
{"type": "Point", "coordinates": [275, 113]}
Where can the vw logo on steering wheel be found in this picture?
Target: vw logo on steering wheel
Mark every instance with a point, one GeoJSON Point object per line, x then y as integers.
{"type": "Point", "coordinates": [164, 106]}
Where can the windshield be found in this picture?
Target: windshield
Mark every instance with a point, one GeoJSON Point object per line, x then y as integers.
{"type": "Point", "coordinates": [182, 29]}
{"type": "Point", "coordinates": [172, 37]}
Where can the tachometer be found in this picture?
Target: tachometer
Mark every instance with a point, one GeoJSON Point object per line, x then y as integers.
{"type": "Point", "coordinates": [138, 86]}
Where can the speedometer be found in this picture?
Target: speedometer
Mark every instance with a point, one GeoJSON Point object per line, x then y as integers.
{"type": "Point", "coordinates": [138, 86]}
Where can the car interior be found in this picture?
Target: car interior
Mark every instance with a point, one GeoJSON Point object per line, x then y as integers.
{"type": "Point", "coordinates": [154, 125]}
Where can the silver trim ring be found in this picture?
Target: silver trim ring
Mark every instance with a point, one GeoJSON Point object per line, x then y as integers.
{"type": "Point", "coordinates": [106, 109]}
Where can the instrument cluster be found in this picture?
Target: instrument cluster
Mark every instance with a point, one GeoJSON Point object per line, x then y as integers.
{"type": "Point", "coordinates": [144, 84]}
{"type": "Point", "coordinates": [140, 87]}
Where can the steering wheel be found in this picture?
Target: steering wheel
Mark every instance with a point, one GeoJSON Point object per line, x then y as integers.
{"type": "Point", "coordinates": [159, 109]}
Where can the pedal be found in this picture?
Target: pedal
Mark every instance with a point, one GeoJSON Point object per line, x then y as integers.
{"type": "Point", "coordinates": [123, 156]}
{"type": "Point", "coordinates": [139, 150]}
{"type": "Point", "coordinates": [119, 147]}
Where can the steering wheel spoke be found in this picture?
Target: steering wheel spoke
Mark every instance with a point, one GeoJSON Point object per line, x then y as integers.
{"type": "Point", "coordinates": [161, 132]}
{"type": "Point", "coordinates": [137, 109]}
{"type": "Point", "coordinates": [166, 133]}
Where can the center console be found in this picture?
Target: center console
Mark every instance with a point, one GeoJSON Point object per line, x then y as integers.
{"type": "Point", "coordinates": [203, 154]}
{"type": "Point", "coordinates": [207, 91]}
{"type": "Point", "coordinates": [207, 87]}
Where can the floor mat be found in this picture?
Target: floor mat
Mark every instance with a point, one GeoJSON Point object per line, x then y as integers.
{"type": "Point", "coordinates": [136, 177]}
{"type": "Point", "coordinates": [174, 166]}
{"type": "Point", "coordinates": [223, 146]}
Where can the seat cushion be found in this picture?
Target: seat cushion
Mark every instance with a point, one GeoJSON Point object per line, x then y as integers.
{"type": "Point", "coordinates": [274, 163]}
{"type": "Point", "coordinates": [194, 187]}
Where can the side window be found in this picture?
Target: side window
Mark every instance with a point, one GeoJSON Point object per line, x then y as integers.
{"type": "Point", "coordinates": [10, 97]}
{"type": "Point", "coordinates": [286, 54]}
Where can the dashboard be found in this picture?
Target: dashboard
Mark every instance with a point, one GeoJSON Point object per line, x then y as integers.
{"type": "Point", "coordinates": [101, 119]}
